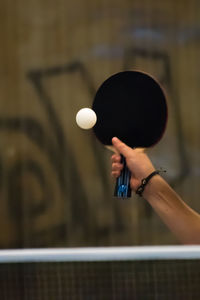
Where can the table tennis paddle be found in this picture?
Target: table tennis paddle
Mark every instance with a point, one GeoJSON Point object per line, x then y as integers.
{"type": "Point", "coordinates": [130, 105]}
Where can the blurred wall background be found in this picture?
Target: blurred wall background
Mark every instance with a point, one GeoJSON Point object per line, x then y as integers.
{"type": "Point", "coordinates": [55, 183]}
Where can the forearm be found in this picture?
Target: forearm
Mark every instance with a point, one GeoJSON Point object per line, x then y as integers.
{"type": "Point", "coordinates": [175, 213]}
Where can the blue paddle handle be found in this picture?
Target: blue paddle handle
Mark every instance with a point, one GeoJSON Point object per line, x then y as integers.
{"type": "Point", "coordinates": [122, 187]}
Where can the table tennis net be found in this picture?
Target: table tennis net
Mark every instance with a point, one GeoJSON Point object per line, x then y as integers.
{"type": "Point", "coordinates": [101, 273]}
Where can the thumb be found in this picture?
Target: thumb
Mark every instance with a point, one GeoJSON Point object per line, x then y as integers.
{"type": "Point", "coordinates": [121, 147]}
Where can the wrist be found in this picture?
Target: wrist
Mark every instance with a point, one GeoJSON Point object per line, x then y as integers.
{"type": "Point", "coordinates": [154, 188]}
{"type": "Point", "coordinates": [144, 182]}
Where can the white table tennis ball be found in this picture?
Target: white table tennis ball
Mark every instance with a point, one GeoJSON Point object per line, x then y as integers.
{"type": "Point", "coordinates": [86, 118]}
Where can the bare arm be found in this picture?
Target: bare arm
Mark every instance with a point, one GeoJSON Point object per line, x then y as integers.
{"type": "Point", "coordinates": [175, 213]}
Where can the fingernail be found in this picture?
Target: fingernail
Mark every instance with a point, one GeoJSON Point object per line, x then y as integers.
{"type": "Point", "coordinates": [115, 139]}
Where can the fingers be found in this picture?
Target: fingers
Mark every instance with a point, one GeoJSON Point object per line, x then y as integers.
{"type": "Point", "coordinates": [115, 174]}
{"type": "Point", "coordinates": [121, 147]}
{"type": "Point", "coordinates": [116, 166]}
{"type": "Point", "coordinates": [116, 158]}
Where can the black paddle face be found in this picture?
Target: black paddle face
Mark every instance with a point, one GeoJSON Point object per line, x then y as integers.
{"type": "Point", "coordinates": [131, 106]}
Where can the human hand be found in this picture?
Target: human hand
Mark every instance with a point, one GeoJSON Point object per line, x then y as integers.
{"type": "Point", "coordinates": [137, 161]}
